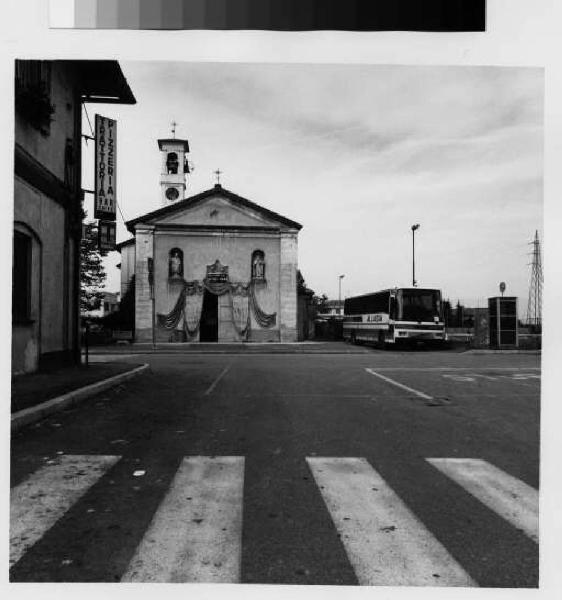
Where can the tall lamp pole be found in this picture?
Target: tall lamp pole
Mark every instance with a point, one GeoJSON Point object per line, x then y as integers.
{"type": "Point", "coordinates": [414, 228]}
{"type": "Point", "coordinates": [339, 296]}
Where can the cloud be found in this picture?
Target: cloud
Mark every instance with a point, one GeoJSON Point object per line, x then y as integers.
{"type": "Point", "coordinates": [356, 153]}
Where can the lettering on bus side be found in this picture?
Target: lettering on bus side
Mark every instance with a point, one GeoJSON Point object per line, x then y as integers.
{"type": "Point", "coordinates": [374, 318]}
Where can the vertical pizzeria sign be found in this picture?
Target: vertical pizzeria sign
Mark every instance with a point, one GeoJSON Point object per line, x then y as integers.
{"type": "Point", "coordinates": [106, 173]}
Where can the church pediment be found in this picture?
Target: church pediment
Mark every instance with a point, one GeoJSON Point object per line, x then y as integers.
{"type": "Point", "coordinates": [216, 211]}
{"type": "Point", "coordinates": [215, 208]}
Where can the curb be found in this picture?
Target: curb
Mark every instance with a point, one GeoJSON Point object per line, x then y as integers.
{"type": "Point", "coordinates": [482, 351]}
{"type": "Point", "coordinates": [35, 413]}
{"type": "Point", "coordinates": [250, 353]}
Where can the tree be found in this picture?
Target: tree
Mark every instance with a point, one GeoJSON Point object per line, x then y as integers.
{"type": "Point", "coordinates": [459, 314]}
{"type": "Point", "coordinates": [92, 271]}
{"type": "Point", "coordinates": [302, 289]}
{"type": "Point", "coordinates": [127, 307]}
{"type": "Point", "coordinates": [321, 303]}
{"type": "Point", "coordinates": [124, 318]}
{"type": "Point", "coordinates": [448, 313]}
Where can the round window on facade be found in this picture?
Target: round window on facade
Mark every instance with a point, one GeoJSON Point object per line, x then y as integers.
{"type": "Point", "coordinates": [172, 193]}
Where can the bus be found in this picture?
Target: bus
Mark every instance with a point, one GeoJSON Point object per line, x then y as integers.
{"type": "Point", "coordinates": [394, 316]}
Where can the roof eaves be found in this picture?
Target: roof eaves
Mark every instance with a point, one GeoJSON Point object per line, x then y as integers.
{"type": "Point", "coordinates": [184, 143]}
{"type": "Point", "coordinates": [102, 81]}
{"type": "Point", "coordinates": [125, 243]}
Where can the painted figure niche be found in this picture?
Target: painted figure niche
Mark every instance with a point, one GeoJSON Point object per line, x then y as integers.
{"type": "Point", "coordinates": [258, 264]}
{"type": "Point", "coordinates": [175, 264]}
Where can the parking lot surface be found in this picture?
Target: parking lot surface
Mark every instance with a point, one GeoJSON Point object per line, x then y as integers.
{"type": "Point", "coordinates": [371, 468]}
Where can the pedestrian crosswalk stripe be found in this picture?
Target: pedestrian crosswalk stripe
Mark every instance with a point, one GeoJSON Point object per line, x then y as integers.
{"type": "Point", "coordinates": [41, 500]}
{"type": "Point", "coordinates": [385, 542]}
{"type": "Point", "coordinates": [509, 497]}
{"type": "Point", "coordinates": [196, 533]}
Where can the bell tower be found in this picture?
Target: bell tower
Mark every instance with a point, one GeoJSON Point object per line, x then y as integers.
{"type": "Point", "coordinates": [174, 168]}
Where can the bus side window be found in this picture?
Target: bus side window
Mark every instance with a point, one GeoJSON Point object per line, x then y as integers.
{"type": "Point", "coordinates": [392, 308]}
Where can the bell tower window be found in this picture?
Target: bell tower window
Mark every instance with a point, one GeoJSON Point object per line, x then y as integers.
{"type": "Point", "coordinates": [172, 163]}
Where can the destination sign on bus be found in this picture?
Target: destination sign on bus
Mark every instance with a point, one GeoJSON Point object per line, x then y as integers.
{"type": "Point", "coordinates": [375, 318]}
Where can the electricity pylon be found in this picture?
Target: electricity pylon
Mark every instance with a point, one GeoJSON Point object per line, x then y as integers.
{"type": "Point", "coordinates": [534, 304]}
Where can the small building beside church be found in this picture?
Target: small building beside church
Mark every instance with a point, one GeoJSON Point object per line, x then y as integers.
{"type": "Point", "coordinates": [214, 267]}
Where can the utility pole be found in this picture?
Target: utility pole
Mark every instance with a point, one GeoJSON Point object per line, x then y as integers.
{"type": "Point", "coordinates": [150, 269]}
{"type": "Point", "coordinates": [414, 229]}
{"type": "Point", "coordinates": [339, 296]}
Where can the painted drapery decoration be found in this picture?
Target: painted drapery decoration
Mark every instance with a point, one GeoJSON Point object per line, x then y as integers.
{"type": "Point", "coordinates": [239, 302]}
{"type": "Point", "coordinates": [263, 319]}
{"type": "Point", "coordinates": [193, 303]}
{"type": "Point", "coordinates": [190, 303]}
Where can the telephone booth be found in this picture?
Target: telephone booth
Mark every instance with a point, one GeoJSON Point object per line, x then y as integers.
{"type": "Point", "coordinates": [503, 322]}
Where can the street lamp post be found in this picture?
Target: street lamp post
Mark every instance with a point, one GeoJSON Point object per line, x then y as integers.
{"type": "Point", "coordinates": [414, 228]}
{"type": "Point", "coordinates": [339, 296]}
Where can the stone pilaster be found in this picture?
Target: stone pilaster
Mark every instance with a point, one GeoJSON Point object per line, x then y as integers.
{"type": "Point", "coordinates": [288, 287]}
{"type": "Point", "coordinates": [143, 304]}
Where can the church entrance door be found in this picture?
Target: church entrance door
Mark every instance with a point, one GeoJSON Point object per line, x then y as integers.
{"type": "Point", "coordinates": [209, 327]}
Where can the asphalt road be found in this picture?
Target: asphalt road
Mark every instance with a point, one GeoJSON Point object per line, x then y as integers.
{"type": "Point", "coordinates": [285, 514]}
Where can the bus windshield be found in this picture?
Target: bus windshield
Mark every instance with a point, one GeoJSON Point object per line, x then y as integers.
{"type": "Point", "coordinates": [420, 305]}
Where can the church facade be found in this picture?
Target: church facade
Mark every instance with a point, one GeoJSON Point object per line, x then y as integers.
{"type": "Point", "coordinates": [214, 267]}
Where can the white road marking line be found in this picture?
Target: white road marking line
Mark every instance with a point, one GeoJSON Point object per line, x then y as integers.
{"type": "Point", "coordinates": [470, 376]}
{"type": "Point", "coordinates": [459, 378]}
{"type": "Point", "coordinates": [458, 368]}
{"type": "Point", "coordinates": [385, 542]}
{"type": "Point", "coordinates": [196, 533]}
{"type": "Point", "coordinates": [331, 395]}
{"type": "Point", "coordinates": [400, 385]}
{"type": "Point", "coordinates": [509, 497]}
{"type": "Point", "coordinates": [215, 382]}
{"type": "Point", "coordinates": [41, 500]}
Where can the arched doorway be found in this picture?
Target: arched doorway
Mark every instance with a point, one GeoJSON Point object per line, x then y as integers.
{"type": "Point", "coordinates": [209, 325]}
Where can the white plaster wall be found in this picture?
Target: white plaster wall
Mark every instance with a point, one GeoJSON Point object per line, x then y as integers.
{"type": "Point", "coordinates": [288, 287]}
{"type": "Point", "coordinates": [143, 302]}
{"type": "Point", "coordinates": [231, 249]}
{"type": "Point", "coordinates": [49, 150]}
{"type": "Point", "coordinates": [46, 217]}
{"type": "Point", "coordinates": [127, 267]}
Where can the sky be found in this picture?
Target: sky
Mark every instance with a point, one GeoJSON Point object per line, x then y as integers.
{"type": "Point", "coordinates": [356, 154]}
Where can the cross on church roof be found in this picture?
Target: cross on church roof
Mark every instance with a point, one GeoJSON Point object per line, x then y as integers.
{"type": "Point", "coordinates": [174, 125]}
{"type": "Point", "coordinates": [218, 173]}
